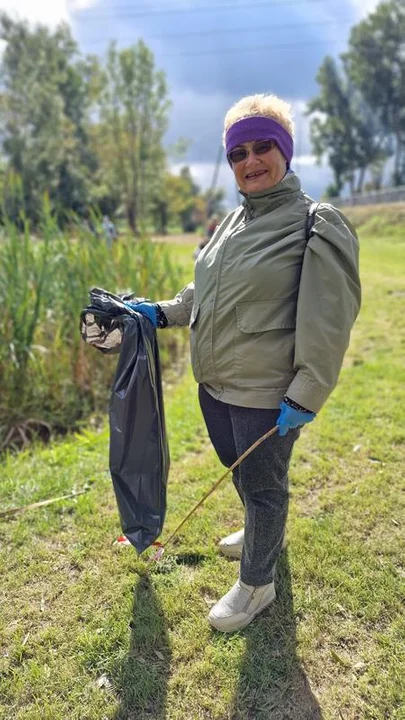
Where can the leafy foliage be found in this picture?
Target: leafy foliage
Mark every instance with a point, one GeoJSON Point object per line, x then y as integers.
{"type": "Point", "coordinates": [44, 117]}
{"type": "Point", "coordinates": [358, 115]}
{"type": "Point", "coordinates": [88, 134]}
{"type": "Point", "coordinates": [50, 380]}
{"type": "Point", "coordinates": [134, 107]}
{"type": "Point", "coordinates": [375, 62]}
{"type": "Point", "coordinates": [343, 128]}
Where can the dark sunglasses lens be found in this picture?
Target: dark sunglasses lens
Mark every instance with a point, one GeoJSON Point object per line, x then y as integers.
{"type": "Point", "coordinates": [263, 147]}
{"type": "Point", "coordinates": [237, 155]}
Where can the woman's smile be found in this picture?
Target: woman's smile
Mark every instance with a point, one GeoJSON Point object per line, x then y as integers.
{"type": "Point", "coordinates": [254, 175]}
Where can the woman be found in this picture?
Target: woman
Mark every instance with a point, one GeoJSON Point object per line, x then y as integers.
{"type": "Point", "coordinates": [270, 316]}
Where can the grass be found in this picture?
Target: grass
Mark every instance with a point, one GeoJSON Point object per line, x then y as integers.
{"type": "Point", "coordinates": [51, 382]}
{"type": "Point", "coordinates": [378, 218]}
{"type": "Point", "coordinates": [86, 634]}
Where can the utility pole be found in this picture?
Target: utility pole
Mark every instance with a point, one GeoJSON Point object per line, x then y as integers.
{"type": "Point", "coordinates": [214, 179]}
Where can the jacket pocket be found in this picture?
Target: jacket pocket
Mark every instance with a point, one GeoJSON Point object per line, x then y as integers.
{"type": "Point", "coordinates": [195, 311]}
{"type": "Point", "coordinates": [257, 317]}
{"type": "Point", "coordinates": [265, 342]}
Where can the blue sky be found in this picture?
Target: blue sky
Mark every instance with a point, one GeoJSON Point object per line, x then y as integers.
{"type": "Point", "coordinates": [215, 51]}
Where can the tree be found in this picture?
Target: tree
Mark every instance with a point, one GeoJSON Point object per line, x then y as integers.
{"type": "Point", "coordinates": [343, 128]}
{"type": "Point", "coordinates": [192, 213]}
{"type": "Point", "coordinates": [375, 62]}
{"type": "Point", "coordinates": [178, 201]}
{"type": "Point", "coordinates": [44, 116]}
{"type": "Point", "coordinates": [133, 119]}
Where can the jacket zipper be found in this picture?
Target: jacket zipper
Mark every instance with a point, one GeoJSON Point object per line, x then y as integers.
{"type": "Point", "coordinates": [221, 254]}
{"type": "Point", "coordinates": [249, 210]}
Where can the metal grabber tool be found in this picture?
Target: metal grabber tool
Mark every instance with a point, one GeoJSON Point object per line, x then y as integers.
{"type": "Point", "coordinates": [162, 546]}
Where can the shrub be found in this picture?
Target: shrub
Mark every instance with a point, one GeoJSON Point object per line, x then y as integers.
{"type": "Point", "coordinates": [49, 378]}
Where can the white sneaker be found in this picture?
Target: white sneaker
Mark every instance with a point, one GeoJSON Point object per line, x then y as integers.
{"type": "Point", "coordinates": [240, 606]}
{"type": "Point", "coordinates": [232, 545]}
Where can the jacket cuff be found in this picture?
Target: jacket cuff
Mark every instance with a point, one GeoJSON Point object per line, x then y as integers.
{"type": "Point", "coordinates": [294, 405]}
{"type": "Point", "coordinates": [176, 312]}
{"type": "Point", "coordinates": [307, 392]}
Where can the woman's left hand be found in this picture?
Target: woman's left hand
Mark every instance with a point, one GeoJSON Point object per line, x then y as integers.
{"type": "Point", "coordinates": [290, 418]}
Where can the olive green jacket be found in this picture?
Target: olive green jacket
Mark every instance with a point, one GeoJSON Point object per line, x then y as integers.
{"type": "Point", "coordinates": [268, 314]}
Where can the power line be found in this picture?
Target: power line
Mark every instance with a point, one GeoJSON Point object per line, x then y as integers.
{"type": "Point", "coordinates": [281, 46]}
{"type": "Point", "coordinates": [157, 10]}
{"type": "Point", "coordinates": [226, 51]}
{"type": "Point", "coordinates": [122, 11]}
{"type": "Point", "coordinates": [220, 31]}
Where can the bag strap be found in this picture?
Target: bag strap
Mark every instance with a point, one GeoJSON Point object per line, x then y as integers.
{"type": "Point", "coordinates": [309, 223]}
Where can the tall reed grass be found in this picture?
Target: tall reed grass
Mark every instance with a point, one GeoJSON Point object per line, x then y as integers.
{"type": "Point", "coordinates": [49, 379]}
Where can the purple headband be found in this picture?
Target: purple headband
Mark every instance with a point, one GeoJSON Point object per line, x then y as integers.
{"type": "Point", "coordinates": [257, 127]}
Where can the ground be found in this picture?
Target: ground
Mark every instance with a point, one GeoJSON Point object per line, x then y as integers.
{"type": "Point", "coordinates": [90, 632]}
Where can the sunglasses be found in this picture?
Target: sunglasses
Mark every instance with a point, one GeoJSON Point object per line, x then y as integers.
{"type": "Point", "coordinates": [261, 147]}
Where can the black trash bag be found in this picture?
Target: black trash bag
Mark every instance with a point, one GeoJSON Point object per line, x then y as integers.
{"type": "Point", "coordinates": [139, 453]}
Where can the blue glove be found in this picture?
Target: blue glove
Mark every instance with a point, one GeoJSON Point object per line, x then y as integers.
{"type": "Point", "coordinates": [145, 308]}
{"type": "Point", "coordinates": [290, 418]}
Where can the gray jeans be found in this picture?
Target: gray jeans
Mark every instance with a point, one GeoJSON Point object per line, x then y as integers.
{"type": "Point", "coordinates": [261, 479]}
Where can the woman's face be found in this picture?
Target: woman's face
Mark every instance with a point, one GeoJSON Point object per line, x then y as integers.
{"type": "Point", "coordinates": [259, 172]}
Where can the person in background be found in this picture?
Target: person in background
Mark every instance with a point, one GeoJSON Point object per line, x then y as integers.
{"type": "Point", "coordinates": [211, 227]}
{"type": "Point", "coordinates": [270, 314]}
{"type": "Point", "coordinates": [109, 229]}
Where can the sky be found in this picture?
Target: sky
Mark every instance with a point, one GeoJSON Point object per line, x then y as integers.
{"type": "Point", "coordinates": [213, 52]}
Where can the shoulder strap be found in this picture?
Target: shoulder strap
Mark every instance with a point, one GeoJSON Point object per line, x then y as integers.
{"type": "Point", "coordinates": [311, 213]}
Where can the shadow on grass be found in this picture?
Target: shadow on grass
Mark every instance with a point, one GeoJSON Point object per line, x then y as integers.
{"type": "Point", "coordinates": [189, 559]}
{"type": "Point", "coordinates": [141, 682]}
{"type": "Point", "coordinates": [272, 683]}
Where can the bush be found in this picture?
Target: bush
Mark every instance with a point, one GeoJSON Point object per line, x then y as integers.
{"type": "Point", "coordinates": [49, 378]}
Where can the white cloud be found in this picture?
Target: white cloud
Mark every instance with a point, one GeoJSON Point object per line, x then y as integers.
{"type": "Point", "coordinates": [305, 160]}
{"type": "Point", "coordinates": [47, 12]}
{"type": "Point", "coordinates": [364, 7]}
{"type": "Point", "coordinates": [80, 4]}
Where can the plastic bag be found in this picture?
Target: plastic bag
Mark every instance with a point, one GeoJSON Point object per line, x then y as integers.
{"type": "Point", "coordinates": [139, 453]}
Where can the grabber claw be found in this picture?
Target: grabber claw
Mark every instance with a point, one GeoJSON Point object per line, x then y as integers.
{"type": "Point", "coordinates": [158, 554]}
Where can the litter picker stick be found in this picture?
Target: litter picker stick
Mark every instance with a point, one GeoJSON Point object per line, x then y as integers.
{"type": "Point", "coordinates": [42, 503]}
{"type": "Point", "coordinates": [237, 462]}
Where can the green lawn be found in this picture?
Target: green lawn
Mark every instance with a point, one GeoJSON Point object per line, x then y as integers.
{"type": "Point", "coordinates": [86, 635]}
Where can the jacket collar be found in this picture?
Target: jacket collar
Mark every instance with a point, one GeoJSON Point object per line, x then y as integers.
{"type": "Point", "coordinates": [257, 202]}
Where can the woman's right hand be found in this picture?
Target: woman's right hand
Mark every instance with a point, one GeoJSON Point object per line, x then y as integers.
{"type": "Point", "coordinates": [146, 309]}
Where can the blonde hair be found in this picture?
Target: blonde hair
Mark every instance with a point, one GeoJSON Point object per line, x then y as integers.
{"type": "Point", "coordinates": [264, 105]}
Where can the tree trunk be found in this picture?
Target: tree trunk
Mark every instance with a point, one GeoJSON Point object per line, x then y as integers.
{"type": "Point", "coordinates": [131, 216]}
{"type": "Point", "coordinates": [360, 180]}
{"type": "Point", "coordinates": [163, 218]}
{"type": "Point", "coordinates": [397, 160]}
